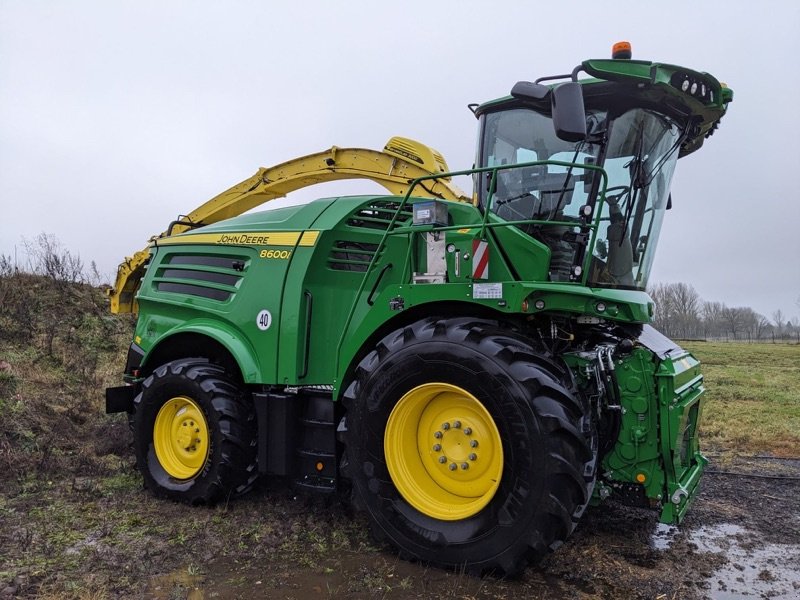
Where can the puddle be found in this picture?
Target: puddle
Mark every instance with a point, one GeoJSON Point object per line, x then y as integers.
{"type": "Point", "coordinates": [663, 536]}
{"type": "Point", "coordinates": [179, 584]}
{"type": "Point", "coordinates": [753, 569]}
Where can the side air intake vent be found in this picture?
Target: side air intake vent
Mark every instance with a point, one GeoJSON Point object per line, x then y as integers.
{"type": "Point", "coordinates": [378, 215]}
{"type": "Point", "coordinates": [351, 256]}
{"type": "Point", "coordinates": [212, 277]}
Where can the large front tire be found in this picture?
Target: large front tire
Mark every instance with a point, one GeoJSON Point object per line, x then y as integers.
{"type": "Point", "coordinates": [467, 447]}
{"type": "Point", "coordinates": [195, 433]}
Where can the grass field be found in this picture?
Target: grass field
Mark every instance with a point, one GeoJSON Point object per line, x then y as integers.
{"type": "Point", "coordinates": [753, 402]}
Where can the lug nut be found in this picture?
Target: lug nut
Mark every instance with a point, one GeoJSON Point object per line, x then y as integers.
{"type": "Point", "coordinates": [438, 435]}
{"type": "Point", "coordinates": [453, 466]}
{"type": "Point", "coordinates": [457, 424]}
{"type": "Point", "coordinates": [442, 459]}
{"type": "Point", "coordinates": [473, 456]}
{"type": "Point", "coordinates": [467, 430]}
{"type": "Point", "coordinates": [445, 426]}
{"type": "Point", "coordinates": [437, 447]}
{"type": "Point", "coordinates": [465, 466]}
{"type": "Point", "coordinates": [474, 443]}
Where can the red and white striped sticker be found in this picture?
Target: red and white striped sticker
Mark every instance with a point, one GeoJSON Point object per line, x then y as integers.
{"type": "Point", "coordinates": [480, 259]}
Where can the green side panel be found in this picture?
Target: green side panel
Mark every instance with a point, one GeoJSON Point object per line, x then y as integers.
{"type": "Point", "coordinates": [235, 289]}
{"type": "Point", "coordinates": [637, 453]}
{"type": "Point", "coordinates": [530, 258]}
{"type": "Point", "coordinates": [323, 284]}
{"type": "Point", "coordinates": [681, 394]}
{"type": "Point", "coordinates": [176, 294]}
{"type": "Point", "coordinates": [657, 447]}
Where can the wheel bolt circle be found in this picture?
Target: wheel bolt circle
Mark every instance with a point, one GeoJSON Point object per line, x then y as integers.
{"type": "Point", "coordinates": [445, 426]}
{"type": "Point", "coordinates": [474, 443]}
{"type": "Point", "coordinates": [473, 456]}
{"type": "Point", "coordinates": [453, 466]}
{"type": "Point", "coordinates": [437, 447]}
{"type": "Point", "coordinates": [457, 424]}
{"type": "Point", "coordinates": [442, 459]}
{"type": "Point", "coordinates": [438, 435]}
{"type": "Point", "coordinates": [465, 466]}
{"type": "Point", "coordinates": [467, 430]}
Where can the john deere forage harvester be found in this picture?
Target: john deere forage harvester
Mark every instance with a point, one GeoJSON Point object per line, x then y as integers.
{"type": "Point", "coordinates": [472, 372]}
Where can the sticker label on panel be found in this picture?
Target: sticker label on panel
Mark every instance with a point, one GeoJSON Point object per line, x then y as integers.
{"type": "Point", "coordinates": [487, 290]}
{"type": "Point", "coordinates": [264, 320]}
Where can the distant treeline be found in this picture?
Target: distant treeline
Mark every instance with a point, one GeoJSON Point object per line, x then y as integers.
{"type": "Point", "coordinates": [681, 313]}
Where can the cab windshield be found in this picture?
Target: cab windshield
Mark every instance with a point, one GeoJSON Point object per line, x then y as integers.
{"type": "Point", "coordinates": [638, 150]}
{"type": "Point", "coordinates": [639, 160]}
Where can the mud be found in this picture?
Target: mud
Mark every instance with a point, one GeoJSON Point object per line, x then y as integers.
{"type": "Point", "coordinates": [105, 537]}
{"type": "Point", "coordinates": [742, 540]}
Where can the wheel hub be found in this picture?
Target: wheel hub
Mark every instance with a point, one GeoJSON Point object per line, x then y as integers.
{"type": "Point", "coordinates": [443, 451]}
{"type": "Point", "coordinates": [457, 446]}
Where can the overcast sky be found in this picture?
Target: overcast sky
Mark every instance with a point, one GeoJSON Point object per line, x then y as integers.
{"type": "Point", "coordinates": [115, 117]}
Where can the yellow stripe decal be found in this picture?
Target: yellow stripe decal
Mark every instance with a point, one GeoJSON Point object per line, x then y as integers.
{"type": "Point", "coordinates": [309, 238]}
{"type": "Point", "coordinates": [255, 238]}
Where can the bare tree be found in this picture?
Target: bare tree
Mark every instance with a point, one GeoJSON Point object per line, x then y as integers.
{"type": "Point", "coordinates": [761, 326]}
{"type": "Point", "coordinates": [663, 314]}
{"type": "Point", "coordinates": [712, 318]}
{"type": "Point", "coordinates": [46, 256]}
{"type": "Point", "coordinates": [778, 319]}
{"type": "Point", "coordinates": [686, 308]}
{"type": "Point", "coordinates": [733, 318]}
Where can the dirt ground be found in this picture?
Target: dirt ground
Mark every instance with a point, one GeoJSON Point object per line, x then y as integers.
{"type": "Point", "coordinates": [106, 537]}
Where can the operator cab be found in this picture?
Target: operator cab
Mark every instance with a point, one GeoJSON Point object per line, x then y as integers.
{"type": "Point", "coordinates": [601, 187]}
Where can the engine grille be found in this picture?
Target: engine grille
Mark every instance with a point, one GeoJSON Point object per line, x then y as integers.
{"type": "Point", "coordinates": [378, 215]}
{"type": "Point", "coordinates": [351, 256]}
{"type": "Point", "coordinates": [213, 277]}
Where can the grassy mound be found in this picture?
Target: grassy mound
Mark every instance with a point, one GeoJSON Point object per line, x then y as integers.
{"type": "Point", "coordinates": [59, 349]}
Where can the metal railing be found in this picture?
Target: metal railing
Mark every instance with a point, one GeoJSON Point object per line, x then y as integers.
{"type": "Point", "coordinates": [591, 224]}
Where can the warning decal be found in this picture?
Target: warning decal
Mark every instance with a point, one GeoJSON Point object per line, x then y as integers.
{"type": "Point", "coordinates": [480, 259]}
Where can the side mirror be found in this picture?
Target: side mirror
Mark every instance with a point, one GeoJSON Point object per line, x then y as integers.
{"type": "Point", "coordinates": [569, 115]}
{"type": "Point", "coordinates": [525, 90]}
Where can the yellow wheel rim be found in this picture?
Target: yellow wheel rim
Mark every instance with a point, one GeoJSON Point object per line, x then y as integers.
{"type": "Point", "coordinates": [180, 437]}
{"type": "Point", "coordinates": [443, 451]}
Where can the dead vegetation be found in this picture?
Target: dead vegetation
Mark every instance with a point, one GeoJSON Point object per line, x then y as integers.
{"type": "Point", "coordinates": [59, 348]}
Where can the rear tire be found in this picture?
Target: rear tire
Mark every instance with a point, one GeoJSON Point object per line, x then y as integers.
{"type": "Point", "coordinates": [520, 407]}
{"type": "Point", "coordinates": [195, 433]}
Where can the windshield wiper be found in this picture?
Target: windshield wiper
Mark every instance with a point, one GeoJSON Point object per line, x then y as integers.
{"type": "Point", "coordinates": [578, 149]}
{"type": "Point", "coordinates": [638, 181]}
